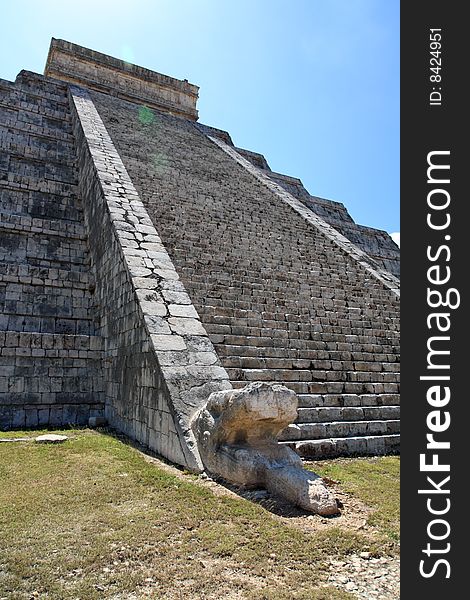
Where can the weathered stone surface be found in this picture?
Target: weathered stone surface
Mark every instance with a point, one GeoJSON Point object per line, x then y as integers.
{"type": "Point", "coordinates": [50, 359]}
{"type": "Point", "coordinates": [91, 69]}
{"type": "Point", "coordinates": [376, 243]}
{"type": "Point", "coordinates": [237, 435]}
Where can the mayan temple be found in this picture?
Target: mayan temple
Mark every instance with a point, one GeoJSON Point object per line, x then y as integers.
{"type": "Point", "coordinates": [148, 264]}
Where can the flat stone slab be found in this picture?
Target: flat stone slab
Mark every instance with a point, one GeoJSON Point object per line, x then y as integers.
{"type": "Point", "coordinates": [97, 421]}
{"type": "Point", "coordinates": [50, 438]}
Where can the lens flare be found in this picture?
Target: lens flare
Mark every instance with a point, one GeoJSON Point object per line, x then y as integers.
{"type": "Point", "coordinates": [146, 116]}
{"type": "Point", "coordinates": [159, 161]}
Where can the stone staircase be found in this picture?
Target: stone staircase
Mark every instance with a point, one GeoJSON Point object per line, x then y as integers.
{"type": "Point", "coordinates": [50, 362]}
{"type": "Point", "coordinates": [280, 300]}
{"type": "Point", "coordinates": [348, 386]}
{"type": "Point", "coordinates": [376, 243]}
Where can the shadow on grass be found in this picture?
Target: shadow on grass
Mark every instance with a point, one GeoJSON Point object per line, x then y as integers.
{"type": "Point", "coordinates": [273, 504]}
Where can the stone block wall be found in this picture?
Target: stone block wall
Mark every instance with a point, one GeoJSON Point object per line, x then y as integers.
{"type": "Point", "coordinates": [50, 355]}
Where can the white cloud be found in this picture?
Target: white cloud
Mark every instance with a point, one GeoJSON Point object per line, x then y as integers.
{"type": "Point", "coordinates": [396, 237]}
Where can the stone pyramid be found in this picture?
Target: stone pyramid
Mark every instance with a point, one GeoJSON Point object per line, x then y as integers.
{"type": "Point", "coordinates": [146, 262]}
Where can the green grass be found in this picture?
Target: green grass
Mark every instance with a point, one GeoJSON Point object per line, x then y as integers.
{"type": "Point", "coordinates": [91, 518]}
{"type": "Point", "coordinates": [375, 481]}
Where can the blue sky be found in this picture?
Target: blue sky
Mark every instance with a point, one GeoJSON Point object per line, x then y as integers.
{"type": "Point", "coordinates": [311, 84]}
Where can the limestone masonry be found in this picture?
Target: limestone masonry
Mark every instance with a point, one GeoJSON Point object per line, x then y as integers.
{"type": "Point", "coordinates": [146, 263]}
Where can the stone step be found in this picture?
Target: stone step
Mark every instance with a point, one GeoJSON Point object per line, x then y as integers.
{"type": "Point", "coordinates": [352, 413]}
{"type": "Point", "coordinates": [33, 104]}
{"type": "Point", "coordinates": [42, 250]}
{"type": "Point", "coordinates": [279, 328]}
{"type": "Point", "coordinates": [44, 86]}
{"type": "Point", "coordinates": [45, 101]}
{"type": "Point", "coordinates": [316, 431]}
{"type": "Point", "coordinates": [45, 301]}
{"type": "Point", "coordinates": [319, 352]}
{"type": "Point", "coordinates": [19, 139]}
{"type": "Point", "coordinates": [38, 205]}
{"type": "Point", "coordinates": [227, 262]}
{"type": "Point", "coordinates": [20, 284]}
{"type": "Point", "coordinates": [269, 296]}
{"type": "Point", "coordinates": [307, 375]}
{"type": "Point", "coordinates": [310, 330]}
{"type": "Point", "coordinates": [247, 297]}
{"type": "Point", "coordinates": [242, 260]}
{"type": "Point", "coordinates": [266, 304]}
{"type": "Point", "coordinates": [335, 387]}
{"type": "Point", "coordinates": [36, 124]}
{"type": "Point", "coordinates": [31, 182]}
{"type": "Point", "coordinates": [24, 274]}
{"type": "Point", "coordinates": [28, 103]}
{"type": "Point", "coordinates": [23, 169]}
{"type": "Point", "coordinates": [360, 445]}
{"type": "Point", "coordinates": [290, 321]}
{"type": "Point", "coordinates": [327, 357]}
{"type": "Point", "coordinates": [47, 227]}
{"type": "Point", "coordinates": [46, 324]}
{"type": "Point", "coordinates": [232, 257]}
{"type": "Point", "coordinates": [225, 309]}
{"type": "Point", "coordinates": [236, 274]}
{"type": "Point", "coordinates": [69, 346]}
{"type": "Point", "coordinates": [356, 363]}
{"type": "Point", "coordinates": [326, 341]}
{"type": "Point", "coordinates": [339, 400]}
{"type": "Point", "coordinates": [48, 371]}
{"type": "Point", "coordinates": [74, 408]}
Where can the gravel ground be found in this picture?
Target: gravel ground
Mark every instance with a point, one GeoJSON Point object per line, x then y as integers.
{"type": "Point", "coordinates": [366, 577]}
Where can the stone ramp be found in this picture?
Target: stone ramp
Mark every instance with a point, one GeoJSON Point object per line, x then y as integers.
{"type": "Point", "coordinates": [160, 366]}
{"type": "Point", "coordinates": [281, 300]}
{"type": "Point", "coordinates": [50, 363]}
